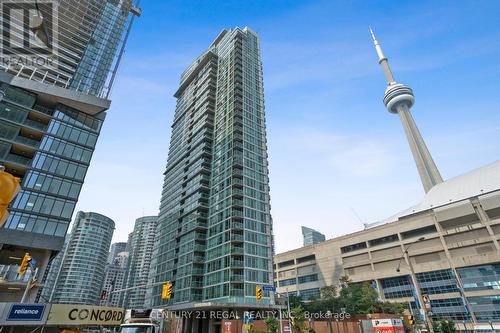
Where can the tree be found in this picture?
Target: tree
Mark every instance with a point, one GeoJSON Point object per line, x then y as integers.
{"type": "Point", "coordinates": [298, 318]}
{"type": "Point", "coordinates": [393, 308]}
{"type": "Point", "coordinates": [344, 281]}
{"type": "Point", "coordinates": [354, 298]}
{"type": "Point", "coordinates": [358, 298]}
{"type": "Point", "coordinates": [295, 301]}
{"type": "Point", "coordinates": [447, 326]}
{"type": "Point", "coordinates": [272, 324]}
{"type": "Point", "coordinates": [328, 292]}
{"type": "Point", "coordinates": [368, 300]}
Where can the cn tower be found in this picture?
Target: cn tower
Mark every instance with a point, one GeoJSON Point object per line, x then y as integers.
{"type": "Point", "coordinates": [399, 99]}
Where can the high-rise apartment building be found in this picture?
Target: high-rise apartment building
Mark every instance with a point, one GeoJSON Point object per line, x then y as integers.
{"type": "Point", "coordinates": [312, 236]}
{"type": "Point", "coordinates": [49, 283]}
{"type": "Point", "coordinates": [81, 276]}
{"type": "Point", "coordinates": [115, 249]}
{"type": "Point", "coordinates": [115, 279]}
{"type": "Point", "coordinates": [214, 240]}
{"type": "Point", "coordinates": [51, 113]}
{"type": "Point", "coordinates": [139, 262]}
{"type": "Point", "coordinates": [83, 37]}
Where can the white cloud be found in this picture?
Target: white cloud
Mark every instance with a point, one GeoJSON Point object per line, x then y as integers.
{"type": "Point", "coordinates": [350, 155]}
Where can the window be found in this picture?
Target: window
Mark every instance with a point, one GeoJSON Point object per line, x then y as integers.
{"type": "Point", "coordinates": [308, 278]}
{"type": "Point", "coordinates": [437, 282]}
{"type": "Point", "coordinates": [418, 232]}
{"type": "Point", "coordinates": [286, 263]}
{"type": "Point", "coordinates": [306, 258]}
{"type": "Point", "coordinates": [310, 294]}
{"type": "Point", "coordinates": [287, 282]}
{"type": "Point", "coordinates": [485, 277]}
{"type": "Point", "coordinates": [397, 287]}
{"type": "Point", "coordinates": [383, 240]}
{"type": "Point", "coordinates": [353, 247]}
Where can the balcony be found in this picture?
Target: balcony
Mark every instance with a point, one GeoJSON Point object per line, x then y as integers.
{"type": "Point", "coordinates": [237, 292]}
{"type": "Point", "coordinates": [198, 259]}
{"type": "Point", "coordinates": [35, 125]}
{"type": "Point", "coordinates": [237, 278]}
{"type": "Point", "coordinates": [238, 161]}
{"type": "Point", "coordinates": [196, 271]}
{"type": "Point", "coordinates": [236, 238]}
{"type": "Point", "coordinates": [19, 160]}
{"type": "Point", "coordinates": [27, 142]}
{"type": "Point", "coordinates": [43, 109]}
{"type": "Point", "coordinates": [199, 247]}
{"type": "Point", "coordinates": [238, 203]}
{"type": "Point", "coordinates": [237, 250]}
{"type": "Point", "coordinates": [237, 182]}
{"type": "Point", "coordinates": [196, 284]}
{"type": "Point", "coordinates": [238, 137]}
{"type": "Point", "coordinates": [237, 213]}
{"type": "Point", "coordinates": [237, 193]}
{"type": "Point", "coordinates": [237, 225]}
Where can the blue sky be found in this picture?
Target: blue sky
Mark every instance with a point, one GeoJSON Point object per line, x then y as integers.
{"type": "Point", "coordinates": [337, 157]}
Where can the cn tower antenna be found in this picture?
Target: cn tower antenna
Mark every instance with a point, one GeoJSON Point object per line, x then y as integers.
{"type": "Point", "coordinates": [382, 60]}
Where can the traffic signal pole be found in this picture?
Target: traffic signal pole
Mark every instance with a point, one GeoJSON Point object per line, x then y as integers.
{"type": "Point", "coordinates": [29, 285]}
{"type": "Point", "coordinates": [135, 287]}
{"type": "Point", "coordinates": [416, 284]}
{"type": "Point", "coordinates": [289, 313]}
{"type": "Point", "coordinates": [288, 308]}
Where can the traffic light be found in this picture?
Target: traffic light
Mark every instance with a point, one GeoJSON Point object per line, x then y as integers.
{"type": "Point", "coordinates": [104, 294]}
{"type": "Point", "coordinates": [24, 264]}
{"type": "Point", "coordinates": [258, 293]}
{"type": "Point", "coordinates": [9, 187]}
{"type": "Point", "coordinates": [166, 292]}
{"type": "Point", "coordinates": [410, 320]}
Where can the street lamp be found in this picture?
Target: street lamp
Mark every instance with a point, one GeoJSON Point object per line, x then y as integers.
{"type": "Point", "coordinates": [405, 253]}
{"type": "Point", "coordinates": [423, 309]}
{"type": "Point", "coordinates": [288, 308]}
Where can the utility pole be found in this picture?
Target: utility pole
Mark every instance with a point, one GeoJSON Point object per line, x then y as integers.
{"type": "Point", "coordinates": [416, 285]}
{"type": "Point", "coordinates": [281, 321]}
{"type": "Point", "coordinates": [419, 294]}
{"type": "Point", "coordinates": [289, 313]}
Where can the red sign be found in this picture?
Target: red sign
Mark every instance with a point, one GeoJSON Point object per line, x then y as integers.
{"type": "Point", "coordinates": [227, 327]}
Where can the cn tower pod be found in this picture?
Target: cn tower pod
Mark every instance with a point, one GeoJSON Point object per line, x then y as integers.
{"type": "Point", "coordinates": [396, 94]}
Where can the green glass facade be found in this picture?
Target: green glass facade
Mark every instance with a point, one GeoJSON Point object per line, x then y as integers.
{"type": "Point", "coordinates": [51, 115]}
{"type": "Point", "coordinates": [93, 69]}
{"type": "Point", "coordinates": [214, 239]}
{"type": "Point", "coordinates": [86, 35]}
{"type": "Point", "coordinates": [43, 140]}
{"type": "Point", "coordinates": [50, 149]}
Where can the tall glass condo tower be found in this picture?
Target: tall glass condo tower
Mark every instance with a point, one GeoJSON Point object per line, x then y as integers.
{"type": "Point", "coordinates": [51, 114]}
{"type": "Point", "coordinates": [214, 239]}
